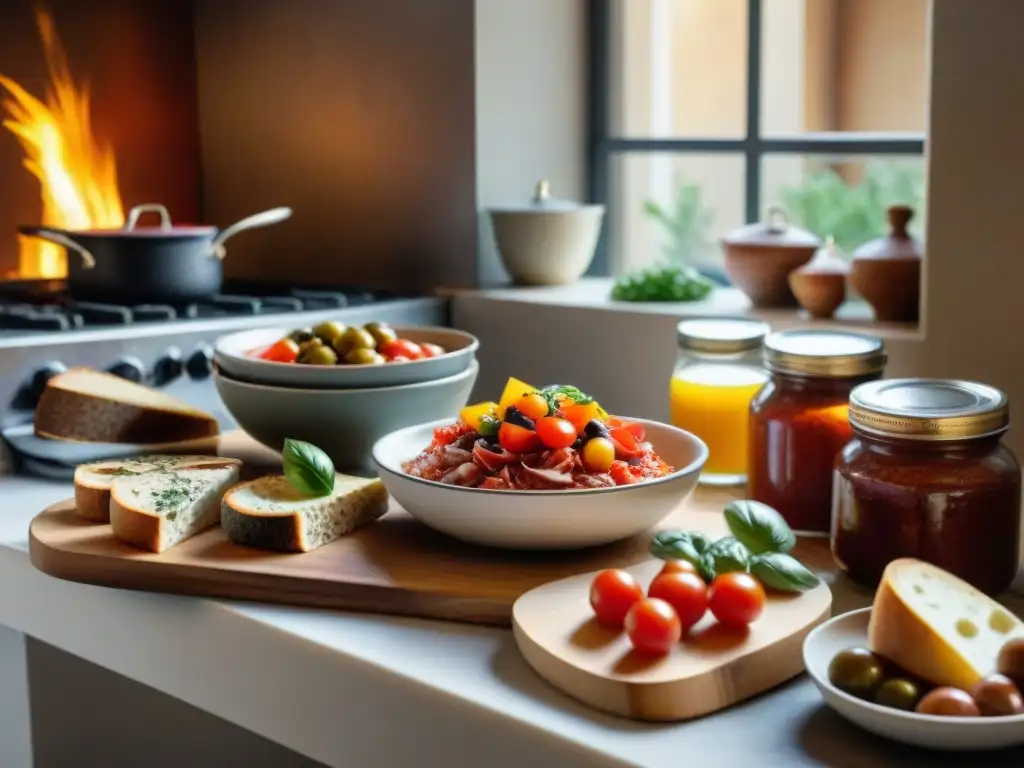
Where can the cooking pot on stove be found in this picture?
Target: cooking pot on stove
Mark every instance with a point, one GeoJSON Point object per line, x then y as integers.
{"type": "Point", "coordinates": [161, 264]}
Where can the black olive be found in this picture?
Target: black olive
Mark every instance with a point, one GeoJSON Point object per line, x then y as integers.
{"type": "Point", "coordinates": [596, 428]}
{"type": "Point", "coordinates": [578, 445]}
{"type": "Point", "coordinates": [514, 416]}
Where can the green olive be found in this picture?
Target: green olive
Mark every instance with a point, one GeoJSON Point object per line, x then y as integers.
{"type": "Point", "coordinates": [307, 345]}
{"type": "Point", "coordinates": [375, 325]}
{"type": "Point", "coordinates": [856, 671]}
{"type": "Point", "coordinates": [300, 335]}
{"type": "Point", "coordinates": [354, 338]}
{"type": "Point", "coordinates": [329, 331]}
{"type": "Point", "coordinates": [364, 356]}
{"type": "Point", "coordinates": [899, 693]}
{"type": "Point", "coordinates": [381, 333]}
{"type": "Point", "coordinates": [319, 355]}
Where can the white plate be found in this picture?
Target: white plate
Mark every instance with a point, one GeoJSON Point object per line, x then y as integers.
{"type": "Point", "coordinates": [570, 519]}
{"type": "Point", "coordinates": [951, 733]}
{"type": "Point", "coordinates": [231, 353]}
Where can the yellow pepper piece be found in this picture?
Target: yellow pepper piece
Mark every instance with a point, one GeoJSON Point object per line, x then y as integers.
{"type": "Point", "coordinates": [514, 389]}
{"type": "Point", "coordinates": [472, 414]}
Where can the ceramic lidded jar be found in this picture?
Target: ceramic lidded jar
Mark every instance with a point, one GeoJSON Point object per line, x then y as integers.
{"type": "Point", "coordinates": [887, 271]}
{"type": "Point", "coordinates": [546, 241]}
{"type": "Point", "coordinates": [820, 284]}
{"type": "Point", "coordinates": [760, 256]}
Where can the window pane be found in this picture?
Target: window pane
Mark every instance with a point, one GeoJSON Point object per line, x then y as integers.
{"type": "Point", "coordinates": [843, 65]}
{"type": "Point", "coordinates": [678, 68]}
{"type": "Point", "coordinates": [673, 208]}
{"type": "Point", "coordinates": [845, 198]}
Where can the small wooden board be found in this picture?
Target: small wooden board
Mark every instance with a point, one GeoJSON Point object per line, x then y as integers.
{"type": "Point", "coordinates": [713, 668]}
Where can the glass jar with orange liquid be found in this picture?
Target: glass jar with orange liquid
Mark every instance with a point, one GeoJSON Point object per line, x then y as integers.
{"type": "Point", "coordinates": [717, 374]}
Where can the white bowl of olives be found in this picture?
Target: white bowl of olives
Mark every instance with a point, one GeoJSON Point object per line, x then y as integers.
{"type": "Point", "coordinates": [333, 355]}
{"type": "Point", "coordinates": [870, 692]}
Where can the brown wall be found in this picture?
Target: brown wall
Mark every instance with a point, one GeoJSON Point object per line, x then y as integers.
{"type": "Point", "coordinates": [138, 60]}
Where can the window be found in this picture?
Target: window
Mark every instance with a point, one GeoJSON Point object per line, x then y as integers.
{"type": "Point", "coordinates": [706, 113]}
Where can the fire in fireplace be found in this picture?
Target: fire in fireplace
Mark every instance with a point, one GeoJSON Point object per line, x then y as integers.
{"type": "Point", "coordinates": [77, 174]}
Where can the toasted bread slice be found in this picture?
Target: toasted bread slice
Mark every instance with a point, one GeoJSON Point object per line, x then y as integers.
{"type": "Point", "coordinates": [93, 481]}
{"type": "Point", "coordinates": [157, 510]}
{"type": "Point", "coordinates": [269, 513]}
{"type": "Point", "coordinates": [83, 405]}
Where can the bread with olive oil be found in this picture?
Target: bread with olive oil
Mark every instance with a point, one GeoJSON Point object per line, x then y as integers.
{"type": "Point", "coordinates": [93, 480]}
{"type": "Point", "coordinates": [269, 513]}
{"type": "Point", "coordinates": [936, 626]}
{"type": "Point", "coordinates": [158, 510]}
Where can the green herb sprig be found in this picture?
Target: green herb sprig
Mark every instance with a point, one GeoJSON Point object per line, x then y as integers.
{"type": "Point", "coordinates": [759, 545]}
{"type": "Point", "coordinates": [307, 468]}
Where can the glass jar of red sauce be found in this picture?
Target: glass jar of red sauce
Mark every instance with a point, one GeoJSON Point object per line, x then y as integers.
{"type": "Point", "coordinates": [799, 421]}
{"type": "Point", "coordinates": [927, 476]}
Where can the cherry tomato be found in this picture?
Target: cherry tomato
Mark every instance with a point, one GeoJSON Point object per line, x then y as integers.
{"type": "Point", "coordinates": [653, 627]}
{"type": "Point", "coordinates": [736, 599]}
{"type": "Point", "coordinates": [612, 594]}
{"type": "Point", "coordinates": [403, 347]}
{"type": "Point", "coordinates": [517, 439]}
{"type": "Point", "coordinates": [685, 592]}
{"type": "Point", "coordinates": [283, 351]}
{"type": "Point", "coordinates": [533, 405]}
{"type": "Point", "coordinates": [677, 566]}
{"type": "Point", "coordinates": [598, 454]}
{"type": "Point", "coordinates": [626, 445]}
{"type": "Point", "coordinates": [431, 350]}
{"type": "Point", "coordinates": [555, 432]}
{"type": "Point", "coordinates": [622, 473]}
{"type": "Point", "coordinates": [635, 429]}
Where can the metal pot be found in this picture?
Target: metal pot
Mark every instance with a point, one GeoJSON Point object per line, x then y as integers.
{"type": "Point", "coordinates": [148, 265]}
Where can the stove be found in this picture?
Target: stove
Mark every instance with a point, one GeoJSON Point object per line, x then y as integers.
{"type": "Point", "coordinates": [44, 332]}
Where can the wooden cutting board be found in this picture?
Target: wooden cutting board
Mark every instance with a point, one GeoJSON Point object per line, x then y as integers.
{"type": "Point", "coordinates": [395, 565]}
{"type": "Point", "coordinates": [712, 668]}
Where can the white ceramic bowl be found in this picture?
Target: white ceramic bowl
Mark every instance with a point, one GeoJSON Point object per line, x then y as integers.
{"type": "Point", "coordinates": [345, 423]}
{"type": "Point", "coordinates": [570, 519]}
{"type": "Point", "coordinates": [230, 354]}
{"type": "Point", "coordinates": [541, 246]}
{"type": "Point", "coordinates": [850, 630]}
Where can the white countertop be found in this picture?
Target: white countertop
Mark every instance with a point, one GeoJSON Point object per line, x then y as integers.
{"type": "Point", "coordinates": [350, 689]}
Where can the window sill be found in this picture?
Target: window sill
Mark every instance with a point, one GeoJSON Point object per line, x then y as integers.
{"type": "Point", "coordinates": [594, 294]}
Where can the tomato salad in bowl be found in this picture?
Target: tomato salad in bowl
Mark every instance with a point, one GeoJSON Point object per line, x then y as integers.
{"type": "Point", "coordinates": [557, 437]}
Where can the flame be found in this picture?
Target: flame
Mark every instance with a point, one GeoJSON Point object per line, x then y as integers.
{"type": "Point", "coordinates": [77, 175]}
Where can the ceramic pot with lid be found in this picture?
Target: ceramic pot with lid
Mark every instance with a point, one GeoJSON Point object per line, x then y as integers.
{"type": "Point", "coordinates": [760, 256]}
{"type": "Point", "coordinates": [547, 241]}
{"type": "Point", "coordinates": [820, 284]}
{"type": "Point", "coordinates": [887, 271]}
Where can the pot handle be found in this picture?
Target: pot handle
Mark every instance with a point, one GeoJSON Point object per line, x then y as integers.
{"type": "Point", "coordinates": [262, 219]}
{"type": "Point", "coordinates": [59, 238]}
{"type": "Point", "coordinates": [138, 210]}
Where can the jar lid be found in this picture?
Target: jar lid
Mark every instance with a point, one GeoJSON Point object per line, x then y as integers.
{"type": "Point", "coordinates": [776, 232]}
{"type": "Point", "coordinates": [929, 409]}
{"type": "Point", "coordinates": [898, 243]}
{"type": "Point", "coordinates": [829, 258]}
{"type": "Point", "coordinates": [723, 335]}
{"type": "Point", "coordinates": [543, 202]}
{"type": "Point", "coordinates": [828, 354]}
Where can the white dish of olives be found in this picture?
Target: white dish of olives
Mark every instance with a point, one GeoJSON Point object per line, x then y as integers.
{"type": "Point", "coordinates": [336, 355]}
{"type": "Point", "coordinates": [834, 652]}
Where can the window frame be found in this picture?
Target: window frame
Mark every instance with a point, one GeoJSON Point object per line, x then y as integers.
{"type": "Point", "coordinates": [753, 146]}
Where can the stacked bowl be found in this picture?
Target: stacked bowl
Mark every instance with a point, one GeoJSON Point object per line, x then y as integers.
{"type": "Point", "coordinates": [343, 409]}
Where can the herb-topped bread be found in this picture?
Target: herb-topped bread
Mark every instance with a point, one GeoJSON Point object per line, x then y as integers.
{"type": "Point", "coordinates": [159, 509]}
{"type": "Point", "coordinates": [270, 513]}
{"type": "Point", "coordinates": [84, 405]}
{"type": "Point", "coordinates": [93, 481]}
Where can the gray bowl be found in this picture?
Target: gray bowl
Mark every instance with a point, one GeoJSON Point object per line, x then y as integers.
{"type": "Point", "coordinates": [345, 423]}
{"type": "Point", "coordinates": [230, 354]}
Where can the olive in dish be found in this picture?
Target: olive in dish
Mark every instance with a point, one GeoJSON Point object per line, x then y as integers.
{"type": "Point", "coordinates": [333, 343]}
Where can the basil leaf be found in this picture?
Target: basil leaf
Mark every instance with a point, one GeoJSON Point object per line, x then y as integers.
{"type": "Point", "coordinates": [706, 567]}
{"type": "Point", "coordinates": [307, 468]}
{"type": "Point", "coordinates": [782, 572]}
{"type": "Point", "coordinates": [726, 555]}
{"type": "Point", "coordinates": [759, 527]}
{"type": "Point", "coordinates": [680, 545]}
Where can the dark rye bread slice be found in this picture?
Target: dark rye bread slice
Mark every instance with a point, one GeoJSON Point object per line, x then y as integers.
{"type": "Point", "coordinates": [269, 513]}
{"type": "Point", "coordinates": [83, 405]}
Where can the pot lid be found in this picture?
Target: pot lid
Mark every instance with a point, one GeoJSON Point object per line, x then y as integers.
{"type": "Point", "coordinates": [829, 258]}
{"type": "Point", "coordinates": [776, 232]}
{"type": "Point", "coordinates": [543, 202]}
{"type": "Point", "coordinates": [132, 228]}
{"type": "Point", "coordinates": [898, 243]}
{"type": "Point", "coordinates": [929, 409]}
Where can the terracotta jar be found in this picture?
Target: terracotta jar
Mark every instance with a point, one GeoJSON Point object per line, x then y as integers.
{"type": "Point", "coordinates": [820, 284]}
{"type": "Point", "coordinates": [759, 258]}
{"type": "Point", "coordinates": [887, 271]}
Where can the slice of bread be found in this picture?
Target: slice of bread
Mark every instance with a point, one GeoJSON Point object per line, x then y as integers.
{"type": "Point", "coordinates": [83, 405]}
{"type": "Point", "coordinates": [269, 513]}
{"type": "Point", "coordinates": [159, 509]}
{"type": "Point", "coordinates": [93, 481]}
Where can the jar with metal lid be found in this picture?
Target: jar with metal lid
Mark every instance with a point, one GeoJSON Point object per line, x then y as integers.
{"type": "Point", "coordinates": [799, 421]}
{"type": "Point", "coordinates": [926, 475]}
{"type": "Point", "coordinates": [717, 374]}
